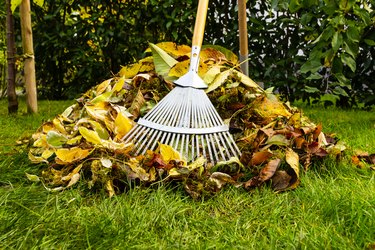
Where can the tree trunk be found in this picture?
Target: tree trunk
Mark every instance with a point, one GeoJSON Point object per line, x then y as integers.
{"type": "Point", "coordinates": [28, 50]}
{"type": "Point", "coordinates": [11, 52]}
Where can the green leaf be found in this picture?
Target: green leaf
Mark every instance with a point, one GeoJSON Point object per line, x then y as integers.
{"type": "Point", "coordinates": [14, 4]}
{"type": "Point", "coordinates": [342, 79]}
{"type": "Point", "coordinates": [314, 76]}
{"type": "Point", "coordinates": [336, 41]}
{"type": "Point", "coordinates": [370, 42]}
{"type": "Point", "coordinates": [163, 62]}
{"type": "Point", "coordinates": [353, 33]}
{"type": "Point", "coordinates": [309, 89]}
{"type": "Point", "coordinates": [294, 5]}
{"type": "Point", "coordinates": [278, 139]}
{"type": "Point", "coordinates": [340, 91]}
{"type": "Point", "coordinates": [351, 48]}
{"type": "Point", "coordinates": [311, 66]}
{"type": "Point", "coordinates": [349, 61]}
{"type": "Point", "coordinates": [55, 139]}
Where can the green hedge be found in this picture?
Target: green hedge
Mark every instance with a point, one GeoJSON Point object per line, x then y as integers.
{"type": "Point", "coordinates": [317, 50]}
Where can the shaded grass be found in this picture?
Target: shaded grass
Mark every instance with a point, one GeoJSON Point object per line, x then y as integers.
{"type": "Point", "coordinates": [334, 208]}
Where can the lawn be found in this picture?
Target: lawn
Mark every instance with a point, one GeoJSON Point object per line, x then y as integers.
{"type": "Point", "coordinates": [334, 207]}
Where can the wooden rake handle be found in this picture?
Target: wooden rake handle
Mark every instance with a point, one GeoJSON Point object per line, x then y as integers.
{"type": "Point", "coordinates": [242, 25]}
{"type": "Point", "coordinates": [200, 23]}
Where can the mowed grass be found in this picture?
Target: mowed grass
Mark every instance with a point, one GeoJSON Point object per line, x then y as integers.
{"type": "Point", "coordinates": [334, 208]}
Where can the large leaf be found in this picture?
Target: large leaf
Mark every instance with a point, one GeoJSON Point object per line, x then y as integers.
{"type": "Point", "coordinates": [90, 135]}
{"type": "Point", "coordinates": [122, 125]}
{"type": "Point", "coordinates": [163, 62]}
{"type": "Point", "coordinates": [349, 61]}
{"type": "Point", "coordinates": [56, 139]}
{"type": "Point", "coordinates": [69, 155]}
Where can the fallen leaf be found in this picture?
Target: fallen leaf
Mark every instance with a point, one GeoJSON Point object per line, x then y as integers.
{"type": "Point", "coordinates": [269, 170]}
{"type": "Point", "coordinates": [280, 180]}
{"type": "Point", "coordinates": [292, 159]}
{"type": "Point", "coordinates": [69, 155]}
{"type": "Point", "coordinates": [32, 177]}
{"type": "Point", "coordinates": [90, 135]}
{"type": "Point", "coordinates": [259, 158]}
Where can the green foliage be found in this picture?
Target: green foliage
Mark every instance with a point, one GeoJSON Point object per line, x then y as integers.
{"type": "Point", "coordinates": [79, 42]}
{"type": "Point", "coordinates": [305, 49]}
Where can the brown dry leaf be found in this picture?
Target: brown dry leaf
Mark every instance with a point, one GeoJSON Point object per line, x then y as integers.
{"type": "Point", "coordinates": [259, 158]}
{"type": "Point", "coordinates": [212, 55]}
{"type": "Point", "coordinates": [269, 170]}
{"type": "Point", "coordinates": [220, 179]}
{"type": "Point", "coordinates": [280, 180]}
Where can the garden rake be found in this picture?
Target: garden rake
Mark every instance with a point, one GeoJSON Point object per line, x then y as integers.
{"type": "Point", "coordinates": [185, 118]}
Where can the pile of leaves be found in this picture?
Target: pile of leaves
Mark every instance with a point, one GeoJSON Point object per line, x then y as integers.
{"type": "Point", "coordinates": [84, 143]}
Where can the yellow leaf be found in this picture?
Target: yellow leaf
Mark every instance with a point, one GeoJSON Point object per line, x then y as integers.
{"type": "Point", "coordinates": [249, 82]}
{"type": "Point", "coordinates": [168, 153]}
{"type": "Point", "coordinates": [98, 111]}
{"type": "Point", "coordinates": [90, 135]}
{"type": "Point", "coordinates": [119, 84]}
{"type": "Point", "coordinates": [102, 98]}
{"type": "Point", "coordinates": [47, 153]}
{"type": "Point", "coordinates": [59, 126]}
{"type": "Point", "coordinates": [211, 74]}
{"type": "Point", "coordinates": [74, 179]}
{"type": "Point", "coordinates": [36, 159]}
{"type": "Point", "coordinates": [69, 155]}
{"type": "Point", "coordinates": [47, 127]}
{"type": "Point", "coordinates": [130, 71]}
{"type": "Point", "coordinates": [122, 125]}
{"type": "Point", "coordinates": [116, 146]}
{"type": "Point", "coordinates": [40, 140]}
{"type": "Point", "coordinates": [173, 49]}
{"type": "Point", "coordinates": [71, 174]}
{"type": "Point", "coordinates": [103, 86]}
{"type": "Point", "coordinates": [179, 69]}
{"type": "Point", "coordinates": [219, 80]}
{"type": "Point", "coordinates": [292, 159]}
{"type": "Point", "coordinates": [75, 140]}
{"type": "Point", "coordinates": [109, 188]}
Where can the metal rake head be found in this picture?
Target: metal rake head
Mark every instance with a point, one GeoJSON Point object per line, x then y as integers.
{"type": "Point", "coordinates": [186, 120]}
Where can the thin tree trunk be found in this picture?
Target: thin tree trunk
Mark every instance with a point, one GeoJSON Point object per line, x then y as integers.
{"type": "Point", "coordinates": [11, 52]}
{"type": "Point", "coordinates": [28, 50]}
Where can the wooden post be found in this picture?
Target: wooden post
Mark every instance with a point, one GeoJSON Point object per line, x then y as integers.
{"type": "Point", "coordinates": [11, 53]}
{"type": "Point", "coordinates": [28, 50]}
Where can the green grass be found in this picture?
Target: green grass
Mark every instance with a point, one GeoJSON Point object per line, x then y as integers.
{"type": "Point", "coordinates": [334, 208]}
